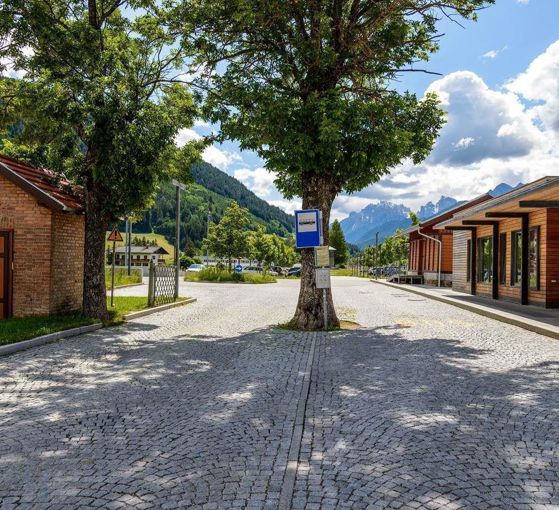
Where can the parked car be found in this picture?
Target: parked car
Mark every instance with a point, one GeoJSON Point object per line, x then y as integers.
{"type": "Point", "coordinates": [278, 270]}
{"type": "Point", "coordinates": [195, 268]}
{"type": "Point", "coordinates": [295, 270]}
{"type": "Point", "coordinates": [252, 269]}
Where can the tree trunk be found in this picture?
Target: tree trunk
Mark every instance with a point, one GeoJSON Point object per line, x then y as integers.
{"type": "Point", "coordinates": [96, 224]}
{"type": "Point", "coordinates": [319, 193]}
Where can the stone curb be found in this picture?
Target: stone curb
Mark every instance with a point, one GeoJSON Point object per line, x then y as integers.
{"type": "Point", "coordinates": [502, 316]}
{"type": "Point", "coordinates": [127, 286]}
{"type": "Point", "coordinates": [46, 339]}
{"type": "Point", "coordinates": [162, 308]}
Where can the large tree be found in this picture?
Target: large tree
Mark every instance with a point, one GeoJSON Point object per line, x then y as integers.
{"type": "Point", "coordinates": [95, 96]}
{"type": "Point", "coordinates": [308, 85]}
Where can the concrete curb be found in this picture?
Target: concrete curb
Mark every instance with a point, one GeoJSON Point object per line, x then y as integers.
{"type": "Point", "coordinates": [502, 316]}
{"type": "Point", "coordinates": [118, 287]}
{"type": "Point", "coordinates": [46, 339]}
{"type": "Point", "coordinates": [162, 308]}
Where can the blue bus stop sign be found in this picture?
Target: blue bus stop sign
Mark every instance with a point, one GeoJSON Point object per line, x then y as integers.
{"type": "Point", "coordinates": [308, 228]}
{"type": "Point", "coordinates": [238, 268]}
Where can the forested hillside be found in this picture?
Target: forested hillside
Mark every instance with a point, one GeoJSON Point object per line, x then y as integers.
{"type": "Point", "coordinates": [212, 190]}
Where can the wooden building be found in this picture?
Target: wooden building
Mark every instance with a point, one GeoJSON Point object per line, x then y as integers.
{"type": "Point", "coordinates": [508, 247]}
{"type": "Point", "coordinates": [141, 255]}
{"type": "Point", "coordinates": [428, 245]}
{"type": "Point", "coordinates": [42, 233]}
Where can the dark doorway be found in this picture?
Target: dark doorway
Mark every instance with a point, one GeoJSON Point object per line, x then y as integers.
{"type": "Point", "coordinates": [5, 274]}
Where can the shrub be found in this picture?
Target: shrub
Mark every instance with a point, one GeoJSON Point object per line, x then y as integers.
{"type": "Point", "coordinates": [121, 276]}
{"type": "Point", "coordinates": [213, 274]}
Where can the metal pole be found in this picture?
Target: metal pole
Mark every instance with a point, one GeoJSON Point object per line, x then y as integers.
{"type": "Point", "coordinates": [207, 234]}
{"type": "Point", "coordinates": [439, 242]}
{"type": "Point", "coordinates": [325, 306]}
{"type": "Point", "coordinates": [113, 277]}
{"type": "Point", "coordinates": [376, 256]}
{"type": "Point", "coordinates": [177, 241]}
{"type": "Point", "coordinates": [129, 247]}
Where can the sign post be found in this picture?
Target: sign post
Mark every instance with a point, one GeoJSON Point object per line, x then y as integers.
{"type": "Point", "coordinates": [322, 279]}
{"type": "Point", "coordinates": [115, 237]}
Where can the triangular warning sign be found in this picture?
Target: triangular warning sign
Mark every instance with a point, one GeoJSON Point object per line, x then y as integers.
{"type": "Point", "coordinates": [115, 236]}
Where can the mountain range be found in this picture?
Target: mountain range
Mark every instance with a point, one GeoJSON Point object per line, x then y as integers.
{"type": "Point", "coordinates": [386, 217]}
{"type": "Point", "coordinates": [209, 193]}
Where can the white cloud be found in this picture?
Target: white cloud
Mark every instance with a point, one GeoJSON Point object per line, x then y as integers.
{"type": "Point", "coordinates": [220, 158]}
{"type": "Point", "coordinates": [493, 54]}
{"type": "Point", "coordinates": [259, 180]}
{"type": "Point", "coordinates": [217, 157]}
{"type": "Point", "coordinates": [289, 206]}
{"type": "Point", "coordinates": [481, 122]}
{"type": "Point", "coordinates": [540, 83]}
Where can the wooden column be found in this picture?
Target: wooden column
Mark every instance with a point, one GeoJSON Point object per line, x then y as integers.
{"type": "Point", "coordinates": [525, 281]}
{"type": "Point", "coordinates": [495, 275]}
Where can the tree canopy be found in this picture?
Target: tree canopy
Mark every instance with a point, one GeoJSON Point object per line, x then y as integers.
{"type": "Point", "coordinates": [337, 241]}
{"type": "Point", "coordinates": [309, 86]}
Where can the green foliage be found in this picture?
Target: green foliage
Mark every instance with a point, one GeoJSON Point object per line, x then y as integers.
{"type": "Point", "coordinates": [312, 93]}
{"type": "Point", "coordinates": [121, 276]}
{"type": "Point", "coordinates": [228, 239]}
{"type": "Point", "coordinates": [414, 218]}
{"type": "Point", "coordinates": [215, 192]}
{"type": "Point", "coordinates": [392, 252]}
{"type": "Point", "coordinates": [337, 241]}
{"type": "Point", "coordinates": [218, 275]}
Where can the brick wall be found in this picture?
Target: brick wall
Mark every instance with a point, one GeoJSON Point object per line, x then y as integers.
{"type": "Point", "coordinates": [34, 289]}
{"type": "Point", "coordinates": [68, 238]}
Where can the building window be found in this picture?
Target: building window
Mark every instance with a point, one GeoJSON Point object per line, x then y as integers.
{"type": "Point", "coordinates": [503, 259]}
{"type": "Point", "coordinates": [485, 260]}
{"type": "Point", "coordinates": [468, 260]}
{"type": "Point", "coordinates": [534, 258]}
{"type": "Point", "coordinates": [516, 258]}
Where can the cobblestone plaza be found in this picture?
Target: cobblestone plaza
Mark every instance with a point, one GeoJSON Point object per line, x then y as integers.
{"type": "Point", "coordinates": [210, 406]}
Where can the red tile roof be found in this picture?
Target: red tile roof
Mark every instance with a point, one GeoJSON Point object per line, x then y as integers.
{"type": "Point", "coordinates": [49, 188]}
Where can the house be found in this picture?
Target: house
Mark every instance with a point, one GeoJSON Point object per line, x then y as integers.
{"type": "Point", "coordinates": [141, 255]}
{"type": "Point", "coordinates": [42, 232]}
{"type": "Point", "coordinates": [429, 247]}
{"type": "Point", "coordinates": [508, 247]}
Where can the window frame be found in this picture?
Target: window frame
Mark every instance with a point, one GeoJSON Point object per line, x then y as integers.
{"type": "Point", "coordinates": [481, 270]}
{"type": "Point", "coordinates": [515, 246]}
{"type": "Point", "coordinates": [503, 258]}
{"type": "Point", "coordinates": [468, 260]}
{"type": "Point", "coordinates": [535, 229]}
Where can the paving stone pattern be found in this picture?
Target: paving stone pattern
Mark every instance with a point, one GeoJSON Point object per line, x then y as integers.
{"type": "Point", "coordinates": [427, 406]}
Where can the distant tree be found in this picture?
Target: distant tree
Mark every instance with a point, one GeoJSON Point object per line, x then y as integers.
{"type": "Point", "coordinates": [414, 218]}
{"type": "Point", "coordinates": [309, 85]}
{"type": "Point", "coordinates": [229, 238]}
{"type": "Point", "coordinates": [337, 241]}
{"type": "Point", "coordinates": [262, 248]}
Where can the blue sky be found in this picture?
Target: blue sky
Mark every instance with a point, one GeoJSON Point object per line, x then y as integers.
{"type": "Point", "coordinates": [500, 86]}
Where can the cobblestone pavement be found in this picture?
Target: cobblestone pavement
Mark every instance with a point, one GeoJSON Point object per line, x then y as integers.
{"type": "Point", "coordinates": [426, 406]}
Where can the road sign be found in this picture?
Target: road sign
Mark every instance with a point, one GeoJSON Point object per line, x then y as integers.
{"type": "Point", "coordinates": [238, 268]}
{"type": "Point", "coordinates": [322, 256]}
{"type": "Point", "coordinates": [322, 277]}
{"type": "Point", "coordinates": [308, 228]}
{"type": "Point", "coordinates": [115, 236]}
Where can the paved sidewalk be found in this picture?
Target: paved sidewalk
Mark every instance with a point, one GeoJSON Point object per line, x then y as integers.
{"type": "Point", "coordinates": [540, 320]}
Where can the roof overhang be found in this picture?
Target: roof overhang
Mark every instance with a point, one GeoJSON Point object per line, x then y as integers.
{"type": "Point", "coordinates": [41, 196]}
{"type": "Point", "coordinates": [509, 204]}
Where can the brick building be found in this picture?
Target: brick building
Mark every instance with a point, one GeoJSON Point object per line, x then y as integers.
{"type": "Point", "coordinates": [41, 242]}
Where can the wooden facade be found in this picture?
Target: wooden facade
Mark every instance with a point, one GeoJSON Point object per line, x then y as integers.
{"type": "Point", "coordinates": [423, 256]}
{"type": "Point", "coordinates": [508, 247]}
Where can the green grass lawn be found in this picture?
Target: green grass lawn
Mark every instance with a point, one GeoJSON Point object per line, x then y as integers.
{"type": "Point", "coordinates": [341, 272]}
{"type": "Point", "coordinates": [122, 278]}
{"type": "Point", "coordinates": [16, 330]}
